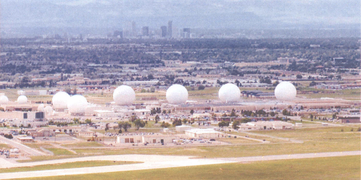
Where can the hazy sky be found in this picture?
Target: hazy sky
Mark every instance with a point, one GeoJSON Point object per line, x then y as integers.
{"type": "Point", "coordinates": [184, 13]}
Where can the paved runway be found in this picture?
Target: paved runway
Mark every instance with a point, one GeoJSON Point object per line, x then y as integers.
{"type": "Point", "coordinates": [150, 162]}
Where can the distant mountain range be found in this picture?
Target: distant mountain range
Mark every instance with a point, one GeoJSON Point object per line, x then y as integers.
{"type": "Point", "coordinates": [93, 16]}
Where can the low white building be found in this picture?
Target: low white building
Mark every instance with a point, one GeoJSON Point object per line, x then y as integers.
{"type": "Point", "coordinates": [159, 139]}
{"type": "Point", "coordinates": [182, 128]}
{"type": "Point", "coordinates": [266, 125]}
{"type": "Point", "coordinates": [204, 133]}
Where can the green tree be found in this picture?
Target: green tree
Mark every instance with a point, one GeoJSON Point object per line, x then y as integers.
{"type": "Point", "coordinates": [313, 83]}
{"type": "Point", "coordinates": [156, 119]}
{"type": "Point", "coordinates": [76, 121]}
{"type": "Point", "coordinates": [272, 113]}
{"type": "Point", "coordinates": [177, 122]}
{"type": "Point", "coordinates": [233, 113]}
{"type": "Point", "coordinates": [164, 125]}
{"type": "Point", "coordinates": [334, 116]}
{"type": "Point", "coordinates": [223, 124]}
{"type": "Point", "coordinates": [276, 83]}
{"type": "Point", "coordinates": [192, 111]}
{"type": "Point", "coordinates": [235, 125]}
{"type": "Point", "coordinates": [88, 121]}
{"type": "Point", "coordinates": [106, 127]}
{"type": "Point", "coordinates": [184, 121]}
{"type": "Point", "coordinates": [139, 123]}
{"type": "Point", "coordinates": [124, 125]}
{"type": "Point", "coordinates": [245, 120]}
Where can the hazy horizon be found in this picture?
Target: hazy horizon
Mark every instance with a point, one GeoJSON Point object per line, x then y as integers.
{"type": "Point", "coordinates": [107, 15]}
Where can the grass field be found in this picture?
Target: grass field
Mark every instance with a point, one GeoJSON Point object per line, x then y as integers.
{"type": "Point", "coordinates": [58, 151]}
{"type": "Point", "coordinates": [4, 146]}
{"type": "Point", "coordinates": [238, 141]}
{"type": "Point", "coordinates": [326, 139]}
{"type": "Point", "coordinates": [350, 94]}
{"type": "Point", "coordinates": [84, 144]}
{"type": "Point", "coordinates": [66, 166]}
{"type": "Point", "coordinates": [335, 168]}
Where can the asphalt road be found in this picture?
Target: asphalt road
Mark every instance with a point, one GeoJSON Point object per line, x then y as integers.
{"type": "Point", "coordinates": [150, 162]}
{"type": "Point", "coordinates": [23, 148]}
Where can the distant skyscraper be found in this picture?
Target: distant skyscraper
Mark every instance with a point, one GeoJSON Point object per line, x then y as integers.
{"type": "Point", "coordinates": [118, 34]}
{"type": "Point", "coordinates": [145, 31]}
{"type": "Point", "coordinates": [134, 29]}
{"type": "Point", "coordinates": [186, 32]}
{"type": "Point", "coordinates": [164, 31]}
{"type": "Point", "coordinates": [170, 29]}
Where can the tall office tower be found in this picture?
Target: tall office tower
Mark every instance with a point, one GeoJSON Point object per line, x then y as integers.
{"type": "Point", "coordinates": [186, 32]}
{"type": "Point", "coordinates": [118, 34]}
{"type": "Point", "coordinates": [145, 31]}
{"type": "Point", "coordinates": [170, 29]}
{"type": "Point", "coordinates": [164, 31]}
{"type": "Point", "coordinates": [134, 29]}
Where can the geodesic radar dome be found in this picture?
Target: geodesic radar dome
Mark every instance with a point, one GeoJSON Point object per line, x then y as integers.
{"type": "Point", "coordinates": [4, 99]}
{"type": "Point", "coordinates": [177, 94]}
{"type": "Point", "coordinates": [22, 99]}
{"type": "Point", "coordinates": [60, 100]}
{"type": "Point", "coordinates": [124, 95]}
{"type": "Point", "coordinates": [285, 91]}
{"type": "Point", "coordinates": [77, 104]}
{"type": "Point", "coordinates": [229, 93]}
{"type": "Point", "coordinates": [41, 107]}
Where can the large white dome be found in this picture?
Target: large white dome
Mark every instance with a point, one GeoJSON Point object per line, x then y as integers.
{"type": "Point", "coordinates": [77, 104]}
{"type": "Point", "coordinates": [4, 99]}
{"type": "Point", "coordinates": [229, 93]}
{"type": "Point", "coordinates": [60, 100]}
{"type": "Point", "coordinates": [41, 107]}
{"type": "Point", "coordinates": [177, 94]}
{"type": "Point", "coordinates": [285, 91]}
{"type": "Point", "coordinates": [22, 99]}
{"type": "Point", "coordinates": [124, 95]}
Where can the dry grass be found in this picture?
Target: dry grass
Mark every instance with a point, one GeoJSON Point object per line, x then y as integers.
{"type": "Point", "coordinates": [336, 168]}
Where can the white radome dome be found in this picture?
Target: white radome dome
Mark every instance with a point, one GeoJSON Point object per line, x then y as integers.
{"type": "Point", "coordinates": [60, 100]}
{"type": "Point", "coordinates": [229, 93]}
{"type": "Point", "coordinates": [77, 104]}
{"type": "Point", "coordinates": [22, 99]}
{"type": "Point", "coordinates": [4, 99]}
{"type": "Point", "coordinates": [285, 91]}
{"type": "Point", "coordinates": [48, 110]}
{"type": "Point", "coordinates": [41, 107]}
{"type": "Point", "coordinates": [124, 95]}
{"type": "Point", "coordinates": [177, 94]}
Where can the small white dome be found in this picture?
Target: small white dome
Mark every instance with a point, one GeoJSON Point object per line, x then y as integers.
{"type": "Point", "coordinates": [229, 93]}
{"type": "Point", "coordinates": [285, 91]}
{"type": "Point", "coordinates": [48, 110]}
{"type": "Point", "coordinates": [41, 107]}
{"type": "Point", "coordinates": [22, 99]}
{"type": "Point", "coordinates": [77, 104]}
{"type": "Point", "coordinates": [177, 94]}
{"type": "Point", "coordinates": [60, 100]}
{"type": "Point", "coordinates": [4, 99]}
{"type": "Point", "coordinates": [124, 95]}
